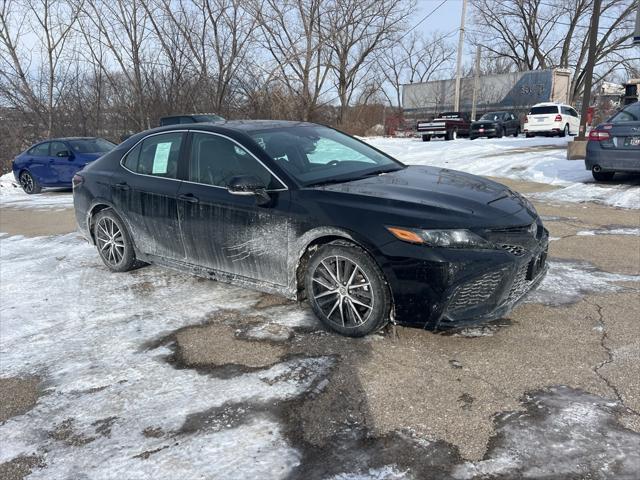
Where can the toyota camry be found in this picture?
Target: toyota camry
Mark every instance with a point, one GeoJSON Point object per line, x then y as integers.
{"type": "Point", "coordinates": [305, 211]}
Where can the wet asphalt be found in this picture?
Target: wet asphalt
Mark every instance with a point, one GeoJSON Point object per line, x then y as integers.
{"type": "Point", "coordinates": [552, 391]}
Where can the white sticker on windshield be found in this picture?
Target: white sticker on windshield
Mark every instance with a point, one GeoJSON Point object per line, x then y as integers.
{"type": "Point", "coordinates": [161, 158]}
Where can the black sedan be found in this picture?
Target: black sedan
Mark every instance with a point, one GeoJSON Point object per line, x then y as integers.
{"type": "Point", "coordinates": [495, 124]}
{"type": "Point", "coordinates": [305, 211]}
{"type": "Point", "coordinates": [614, 146]}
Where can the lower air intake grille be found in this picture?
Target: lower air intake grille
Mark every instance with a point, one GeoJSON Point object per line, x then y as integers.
{"type": "Point", "coordinates": [520, 284]}
{"type": "Point", "coordinates": [516, 250]}
{"type": "Point", "coordinates": [476, 291]}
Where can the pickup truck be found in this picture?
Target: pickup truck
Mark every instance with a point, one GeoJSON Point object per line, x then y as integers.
{"type": "Point", "coordinates": [449, 125]}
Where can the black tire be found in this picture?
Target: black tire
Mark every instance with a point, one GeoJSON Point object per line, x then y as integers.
{"type": "Point", "coordinates": [516, 132]}
{"type": "Point", "coordinates": [471, 137]}
{"type": "Point", "coordinates": [118, 256]}
{"type": "Point", "coordinates": [499, 132]}
{"type": "Point", "coordinates": [426, 138]}
{"type": "Point", "coordinates": [451, 134]}
{"type": "Point", "coordinates": [28, 183]}
{"type": "Point", "coordinates": [369, 294]}
{"type": "Point", "coordinates": [602, 176]}
{"type": "Point", "coordinates": [529, 135]}
{"type": "Point", "coordinates": [565, 131]}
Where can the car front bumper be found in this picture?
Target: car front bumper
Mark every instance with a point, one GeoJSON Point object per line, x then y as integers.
{"type": "Point", "coordinates": [443, 288]}
{"type": "Point", "coordinates": [486, 132]}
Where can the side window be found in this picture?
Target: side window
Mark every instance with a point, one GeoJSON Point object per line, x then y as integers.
{"type": "Point", "coordinates": [57, 147]}
{"type": "Point", "coordinates": [564, 111]}
{"type": "Point", "coordinates": [573, 112]}
{"type": "Point", "coordinates": [158, 155]}
{"type": "Point", "coordinates": [215, 160]}
{"type": "Point", "coordinates": [41, 150]}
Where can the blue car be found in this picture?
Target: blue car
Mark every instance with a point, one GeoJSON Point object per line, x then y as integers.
{"type": "Point", "coordinates": [53, 163]}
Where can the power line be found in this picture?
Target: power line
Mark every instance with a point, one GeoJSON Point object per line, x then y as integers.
{"type": "Point", "coordinates": [422, 20]}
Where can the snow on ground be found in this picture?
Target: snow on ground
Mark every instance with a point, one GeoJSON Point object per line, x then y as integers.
{"type": "Point", "coordinates": [610, 231]}
{"type": "Point", "coordinates": [12, 195]}
{"type": "Point", "coordinates": [86, 333]}
{"type": "Point", "coordinates": [541, 160]}
{"type": "Point", "coordinates": [568, 282]}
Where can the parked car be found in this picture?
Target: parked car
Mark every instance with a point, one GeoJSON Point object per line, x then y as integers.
{"type": "Point", "coordinates": [53, 163]}
{"type": "Point", "coordinates": [614, 146]}
{"type": "Point", "coordinates": [305, 211]}
{"type": "Point", "coordinates": [190, 118]}
{"type": "Point", "coordinates": [448, 125]}
{"type": "Point", "coordinates": [495, 124]}
{"type": "Point", "coordinates": [551, 119]}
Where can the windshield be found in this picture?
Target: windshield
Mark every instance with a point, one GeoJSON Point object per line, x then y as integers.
{"type": "Point", "coordinates": [630, 113]}
{"type": "Point", "coordinates": [91, 145]}
{"type": "Point", "coordinates": [544, 110]}
{"type": "Point", "coordinates": [314, 155]}
{"type": "Point", "coordinates": [491, 116]}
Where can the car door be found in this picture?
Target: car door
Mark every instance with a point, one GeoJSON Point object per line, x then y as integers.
{"type": "Point", "coordinates": [38, 163]}
{"type": "Point", "coordinates": [62, 162]}
{"type": "Point", "coordinates": [145, 193]}
{"type": "Point", "coordinates": [227, 232]}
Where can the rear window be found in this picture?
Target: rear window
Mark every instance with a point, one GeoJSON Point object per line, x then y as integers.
{"type": "Point", "coordinates": [544, 110]}
{"type": "Point", "coordinates": [629, 114]}
{"type": "Point", "coordinates": [91, 145]}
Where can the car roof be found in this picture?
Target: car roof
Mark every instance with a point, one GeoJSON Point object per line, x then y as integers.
{"type": "Point", "coordinates": [235, 125]}
{"type": "Point", "coordinates": [62, 139]}
{"type": "Point", "coordinates": [551, 104]}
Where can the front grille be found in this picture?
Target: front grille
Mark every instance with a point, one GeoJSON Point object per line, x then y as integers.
{"type": "Point", "coordinates": [520, 284]}
{"type": "Point", "coordinates": [517, 250]}
{"type": "Point", "coordinates": [475, 292]}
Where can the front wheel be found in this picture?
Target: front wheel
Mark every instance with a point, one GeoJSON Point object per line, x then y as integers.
{"type": "Point", "coordinates": [347, 290]}
{"type": "Point", "coordinates": [516, 132]}
{"type": "Point", "coordinates": [451, 134]}
{"type": "Point", "coordinates": [113, 242]}
{"type": "Point", "coordinates": [426, 138]}
{"type": "Point", "coordinates": [29, 184]}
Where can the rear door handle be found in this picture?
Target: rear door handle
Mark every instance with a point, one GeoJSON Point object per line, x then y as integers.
{"type": "Point", "coordinates": [188, 197]}
{"type": "Point", "coordinates": [121, 186]}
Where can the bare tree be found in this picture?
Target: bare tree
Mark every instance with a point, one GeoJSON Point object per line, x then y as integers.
{"type": "Point", "coordinates": [415, 59]}
{"type": "Point", "coordinates": [542, 34]}
{"type": "Point", "coordinates": [292, 33]}
{"type": "Point", "coordinates": [357, 30]}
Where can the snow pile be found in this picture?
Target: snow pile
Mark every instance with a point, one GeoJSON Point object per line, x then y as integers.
{"type": "Point", "coordinates": [541, 160]}
{"type": "Point", "coordinates": [113, 406]}
{"type": "Point", "coordinates": [12, 195]}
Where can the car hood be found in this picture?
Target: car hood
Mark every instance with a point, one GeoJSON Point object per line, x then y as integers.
{"type": "Point", "coordinates": [480, 122]}
{"type": "Point", "coordinates": [447, 196]}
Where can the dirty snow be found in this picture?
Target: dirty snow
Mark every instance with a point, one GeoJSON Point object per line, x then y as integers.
{"type": "Point", "coordinates": [389, 472]}
{"type": "Point", "coordinates": [87, 333]}
{"type": "Point", "coordinates": [610, 231]}
{"type": "Point", "coordinates": [541, 160]}
{"type": "Point", "coordinates": [567, 282]}
{"type": "Point", "coordinates": [564, 433]}
{"type": "Point", "coordinates": [12, 195]}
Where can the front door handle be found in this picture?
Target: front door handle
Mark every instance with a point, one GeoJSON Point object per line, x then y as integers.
{"type": "Point", "coordinates": [188, 197]}
{"type": "Point", "coordinates": [121, 186]}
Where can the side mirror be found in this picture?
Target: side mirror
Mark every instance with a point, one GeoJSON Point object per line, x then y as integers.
{"type": "Point", "coordinates": [249, 185]}
{"type": "Point", "coordinates": [64, 153]}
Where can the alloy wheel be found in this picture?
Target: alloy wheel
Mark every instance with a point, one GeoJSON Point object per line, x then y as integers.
{"type": "Point", "coordinates": [26, 182]}
{"type": "Point", "coordinates": [343, 292]}
{"type": "Point", "coordinates": [110, 241]}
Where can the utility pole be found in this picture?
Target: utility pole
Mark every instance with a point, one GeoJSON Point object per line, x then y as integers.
{"type": "Point", "coordinates": [456, 100]}
{"type": "Point", "coordinates": [636, 36]}
{"type": "Point", "coordinates": [476, 81]}
{"type": "Point", "coordinates": [591, 60]}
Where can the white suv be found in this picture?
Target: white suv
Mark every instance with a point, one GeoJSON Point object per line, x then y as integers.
{"type": "Point", "coordinates": [551, 119]}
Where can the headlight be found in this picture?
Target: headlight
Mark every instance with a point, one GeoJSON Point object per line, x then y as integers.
{"type": "Point", "coordinates": [441, 238]}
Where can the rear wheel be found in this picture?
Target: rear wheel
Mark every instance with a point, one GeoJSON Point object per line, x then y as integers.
{"type": "Point", "coordinates": [113, 242]}
{"type": "Point", "coordinates": [565, 131]}
{"type": "Point", "coordinates": [529, 135]}
{"type": "Point", "coordinates": [602, 176]}
{"type": "Point", "coordinates": [426, 138]}
{"type": "Point", "coordinates": [347, 290]}
{"type": "Point", "coordinates": [29, 184]}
